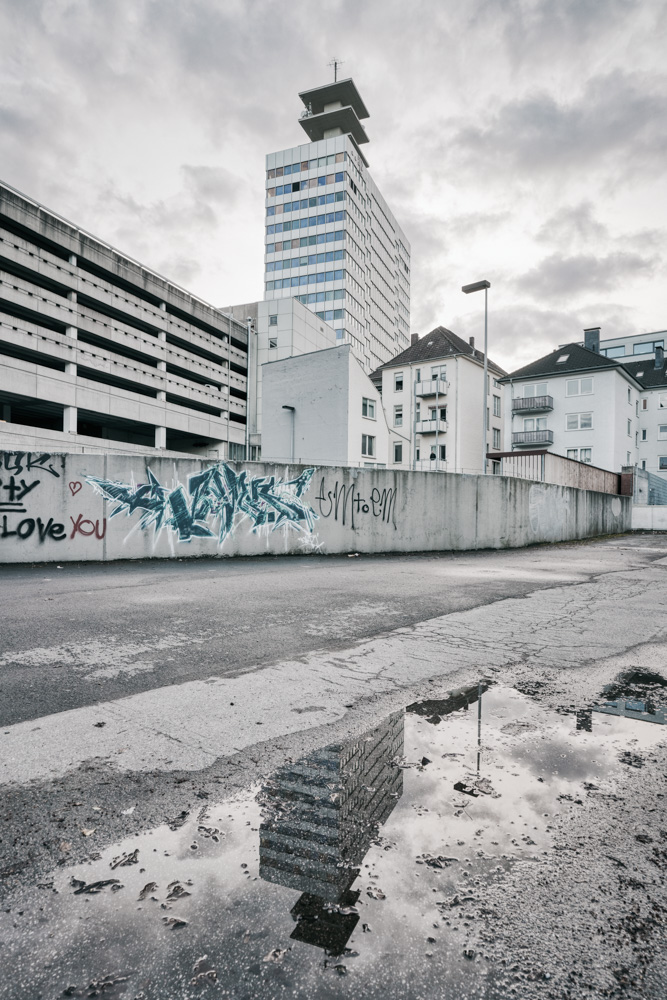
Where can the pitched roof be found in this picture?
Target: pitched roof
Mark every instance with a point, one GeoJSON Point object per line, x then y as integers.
{"type": "Point", "coordinates": [439, 343]}
{"type": "Point", "coordinates": [646, 373]}
{"type": "Point", "coordinates": [576, 359]}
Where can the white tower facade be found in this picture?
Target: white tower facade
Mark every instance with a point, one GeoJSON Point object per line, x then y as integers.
{"type": "Point", "coordinates": [331, 240]}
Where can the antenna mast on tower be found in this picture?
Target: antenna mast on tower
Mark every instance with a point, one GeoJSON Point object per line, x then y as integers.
{"type": "Point", "coordinates": [335, 63]}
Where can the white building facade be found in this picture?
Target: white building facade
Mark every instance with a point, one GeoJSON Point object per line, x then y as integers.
{"type": "Point", "coordinates": [324, 410]}
{"type": "Point", "coordinates": [432, 394]}
{"type": "Point", "coordinates": [577, 403]}
{"type": "Point", "coordinates": [331, 240]}
{"type": "Point", "coordinates": [277, 329]}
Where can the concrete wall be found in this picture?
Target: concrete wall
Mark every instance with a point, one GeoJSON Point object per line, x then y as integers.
{"type": "Point", "coordinates": [653, 518]}
{"type": "Point", "coordinates": [101, 507]}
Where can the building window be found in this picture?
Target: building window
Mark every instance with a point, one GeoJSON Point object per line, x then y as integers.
{"type": "Point", "coordinates": [644, 404]}
{"type": "Point", "coordinates": [647, 347]}
{"type": "Point", "coordinates": [636, 407]}
{"type": "Point", "coordinates": [439, 371]}
{"type": "Point", "coordinates": [662, 402]}
{"type": "Point", "coordinates": [644, 434]}
{"type": "Point", "coordinates": [580, 454]}
{"type": "Point", "coordinates": [367, 445]}
{"type": "Point", "coordinates": [662, 462]}
{"type": "Point", "coordinates": [629, 395]}
{"type": "Point", "coordinates": [496, 406]}
{"type": "Point", "coordinates": [368, 408]}
{"type": "Point", "coordinates": [579, 421]}
{"type": "Point", "coordinates": [539, 389]}
{"type": "Point", "coordinates": [579, 386]}
{"type": "Point", "coordinates": [273, 320]}
{"type": "Point", "coordinates": [418, 374]}
{"type": "Point", "coordinates": [443, 452]}
{"type": "Point", "coordinates": [629, 428]}
{"type": "Point", "coordinates": [534, 423]}
{"type": "Point", "coordinates": [644, 463]}
{"type": "Point", "coordinates": [398, 452]}
{"type": "Point", "coordinates": [273, 342]}
{"type": "Point", "coordinates": [662, 431]}
{"type": "Point", "coordinates": [496, 439]}
{"type": "Point", "coordinates": [398, 382]}
{"type": "Point", "coordinates": [398, 416]}
{"type": "Point", "coordinates": [433, 413]}
{"type": "Point", "coordinates": [418, 410]}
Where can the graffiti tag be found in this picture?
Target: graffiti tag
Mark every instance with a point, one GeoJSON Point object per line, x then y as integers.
{"type": "Point", "coordinates": [344, 502]}
{"type": "Point", "coordinates": [218, 494]}
{"type": "Point", "coordinates": [24, 461]}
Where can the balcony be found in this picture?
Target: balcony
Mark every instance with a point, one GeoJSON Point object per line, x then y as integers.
{"type": "Point", "coordinates": [431, 387]}
{"type": "Point", "coordinates": [431, 426]}
{"type": "Point", "coordinates": [532, 404]}
{"type": "Point", "coordinates": [532, 437]}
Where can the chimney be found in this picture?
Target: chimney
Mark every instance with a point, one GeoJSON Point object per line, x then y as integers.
{"type": "Point", "coordinates": [659, 361]}
{"type": "Point", "coordinates": [592, 339]}
{"type": "Point", "coordinates": [413, 339]}
{"type": "Point", "coordinates": [471, 341]}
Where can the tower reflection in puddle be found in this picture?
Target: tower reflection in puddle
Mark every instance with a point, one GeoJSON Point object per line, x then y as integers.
{"type": "Point", "coordinates": [320, 816]}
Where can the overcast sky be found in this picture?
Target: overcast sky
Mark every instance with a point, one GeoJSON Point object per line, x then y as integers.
{"type": "Point", "coordinates": [523, 141]}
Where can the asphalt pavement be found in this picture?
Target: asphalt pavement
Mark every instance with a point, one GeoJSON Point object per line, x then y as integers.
{"type": "Point", "coordinates": [145, 704]}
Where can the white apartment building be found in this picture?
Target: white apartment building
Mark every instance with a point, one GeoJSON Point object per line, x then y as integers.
{"type": "Point", "coordinates": [579, 404]}
{"type": "Point", "coordinates": [331, 240]}
{"type": "Point", "coordinates": [324, 410]}
{"type": "Point", "coordinates": [99, 353]}
{"type": "Point", "coordinates": [432, 395]}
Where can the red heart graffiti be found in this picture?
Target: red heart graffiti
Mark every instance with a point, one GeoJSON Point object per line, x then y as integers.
{"type": "Point", "coordinates": [74, 488]}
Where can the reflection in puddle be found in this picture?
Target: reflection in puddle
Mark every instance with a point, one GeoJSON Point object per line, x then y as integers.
{"type": "Point", "coordinates": [360, 869]}
{"type": "Point", "coordinates": [321, 814]}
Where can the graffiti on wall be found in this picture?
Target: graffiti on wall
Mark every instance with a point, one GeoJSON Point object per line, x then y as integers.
{"type": "Point", "coordinates": [344, 503]}
{"type": "Point", "coordinates": [212, 503]}
{"type": "Point", "coordinates": [22, 473]}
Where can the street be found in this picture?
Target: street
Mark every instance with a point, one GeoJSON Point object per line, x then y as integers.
{"type": "Point", "coordinates": [173, 705]}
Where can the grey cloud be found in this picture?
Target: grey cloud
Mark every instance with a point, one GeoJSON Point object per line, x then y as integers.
{"type": "Point", "coordinates": [521, 332]}
{"type": "Point", "coordinates": [572, 224]}
{"type": "Point", "coordinates": [212, 184]}
{"type": "Point", "coordinates": [557, 276]}
{"type": "Point", "coordinates": [619, 114]}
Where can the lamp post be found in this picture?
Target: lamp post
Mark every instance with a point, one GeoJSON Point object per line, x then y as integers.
{"type": "Point", "coordinates": [477, 286]}
{"type": "Point", "coordinates": [291, 457]}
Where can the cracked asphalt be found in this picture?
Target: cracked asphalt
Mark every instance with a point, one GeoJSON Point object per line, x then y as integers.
{"type": "Point", "coordinates": [145, 688]}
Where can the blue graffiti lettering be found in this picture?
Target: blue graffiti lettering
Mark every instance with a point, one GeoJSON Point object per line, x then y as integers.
{"type": "Point", "coordinates": [216, 494]}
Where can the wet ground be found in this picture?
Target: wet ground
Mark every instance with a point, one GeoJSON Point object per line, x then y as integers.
{"type": "Point", "coordinates": [279, 778]}
{"type": "Point", "coordinates": [477, 844]}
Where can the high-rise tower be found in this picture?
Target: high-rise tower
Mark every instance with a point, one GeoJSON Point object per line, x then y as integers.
{"type": "Point", "coordinates": [331, 239]}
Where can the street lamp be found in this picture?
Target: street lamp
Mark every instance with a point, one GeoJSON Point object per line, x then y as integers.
{"type": "Point", "coordinates": [291, 408]}
{"type": "Point", "coordinates": [477, 286]}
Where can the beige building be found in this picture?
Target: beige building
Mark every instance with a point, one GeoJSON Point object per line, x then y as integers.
{"type": "Point", "coordinates": [432, 399]}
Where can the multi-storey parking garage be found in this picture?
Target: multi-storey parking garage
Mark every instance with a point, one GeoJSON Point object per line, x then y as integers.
{"type": "Point", "coordinates": [96, 349]}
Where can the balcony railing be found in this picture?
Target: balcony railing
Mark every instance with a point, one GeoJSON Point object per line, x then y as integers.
{"type": "Point", "coordinates": [431, 426]}
{"type": "Point", "coordinates": [531, 404]}
{"type": "Point", "coordinates": [431, 387]}
{"type": "Point", "coordinates": [431, 465]}
{"type": "Point", "coordinates": [533, 437]}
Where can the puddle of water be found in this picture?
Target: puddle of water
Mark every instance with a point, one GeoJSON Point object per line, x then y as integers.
{"type": "Point", "coordinates": [357, 870]}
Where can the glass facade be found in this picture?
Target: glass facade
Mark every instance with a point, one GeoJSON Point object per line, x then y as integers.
{"type": "Point", "coordinates": [322, 203]}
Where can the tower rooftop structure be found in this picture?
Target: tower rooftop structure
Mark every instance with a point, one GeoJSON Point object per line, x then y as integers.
{"type": "Point", "coordinates": [331, 240]}
{"type": "Point", "coordinates": [333, 109]}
